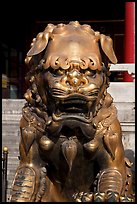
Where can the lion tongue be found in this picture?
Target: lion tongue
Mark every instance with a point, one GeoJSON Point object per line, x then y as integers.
{"type": "Point", "coordinates": [69, 149]}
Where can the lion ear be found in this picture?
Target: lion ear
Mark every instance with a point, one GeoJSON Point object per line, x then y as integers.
{"type": "Point", "coordinates": [38, 44]}
{"type": "Point", "coordinates": [107, 46]}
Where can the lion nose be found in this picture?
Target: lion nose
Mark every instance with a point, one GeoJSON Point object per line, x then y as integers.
{"type": "Point", "coordinates": [75, 78]}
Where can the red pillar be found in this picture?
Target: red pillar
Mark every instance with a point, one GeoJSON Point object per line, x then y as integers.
{"type": "Point", "coordinates": [129, 36]}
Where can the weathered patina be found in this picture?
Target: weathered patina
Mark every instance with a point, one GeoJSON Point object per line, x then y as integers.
{"type": "Point", "coordinates": [71, 140]}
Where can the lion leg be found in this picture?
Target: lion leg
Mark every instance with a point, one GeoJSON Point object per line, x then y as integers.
{"type": "Point", "coordinates": [29, 183]}
{"type": "Point", "coordinates": [114, 178]}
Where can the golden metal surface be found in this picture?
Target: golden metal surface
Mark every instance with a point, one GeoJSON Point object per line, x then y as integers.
{"type": "Point", "coordinates": [5, 149]}
{"type": "Point", "coordinates": [71, 139]}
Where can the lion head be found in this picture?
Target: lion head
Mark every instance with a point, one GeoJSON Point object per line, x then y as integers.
{"type": "Point", "coordinates": [69, 74]}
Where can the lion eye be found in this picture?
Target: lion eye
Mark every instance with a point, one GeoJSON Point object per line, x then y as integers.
{"type": "Point", "coordinates": [91, 73]}
{"type": "Point", "coordinates": [58, 72]}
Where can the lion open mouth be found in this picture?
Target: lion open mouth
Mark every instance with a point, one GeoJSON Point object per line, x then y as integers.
{"type": "Point", "coordinates": [74, 107]}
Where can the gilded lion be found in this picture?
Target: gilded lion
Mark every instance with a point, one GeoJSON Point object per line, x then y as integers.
{"type": "Point", "coordinates": [71, 140]}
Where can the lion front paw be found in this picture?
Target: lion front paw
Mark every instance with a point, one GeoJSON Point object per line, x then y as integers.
{"type": "Point", "coordinates": [83, 197]}
{"type": "Point", "coordinates": [111, 196]}
{"type": "Point", "coordinates": [101, 197]}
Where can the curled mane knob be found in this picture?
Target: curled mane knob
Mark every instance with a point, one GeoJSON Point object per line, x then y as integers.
{"type": "Point", "coordinates": [45, 143]}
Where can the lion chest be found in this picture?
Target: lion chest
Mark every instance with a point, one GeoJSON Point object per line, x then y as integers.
{"type": "Point", "coordinates": [75, 173]}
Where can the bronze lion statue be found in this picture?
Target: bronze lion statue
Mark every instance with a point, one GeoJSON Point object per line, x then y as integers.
{"type": "Point", "coordinates": [71, 140]}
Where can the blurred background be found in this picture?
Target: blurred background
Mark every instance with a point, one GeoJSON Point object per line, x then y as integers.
{"type": "Point", "coordinates": [21, 21]}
